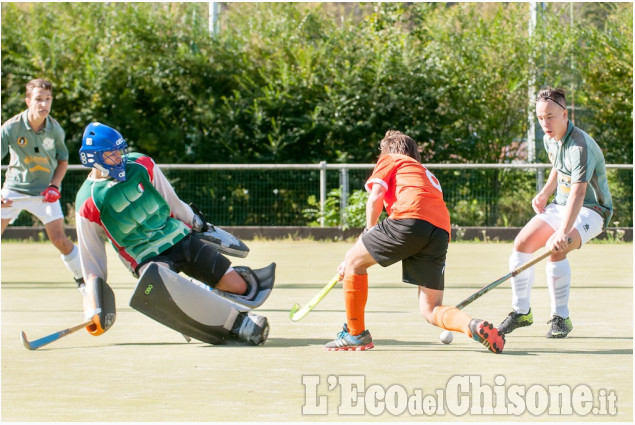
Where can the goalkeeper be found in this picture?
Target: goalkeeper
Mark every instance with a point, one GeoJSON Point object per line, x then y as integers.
{"type": "Point", "coordinates": [127, 198]}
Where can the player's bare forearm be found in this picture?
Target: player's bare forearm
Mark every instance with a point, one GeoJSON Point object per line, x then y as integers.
{"type": "Point", "coordinates": [574, 205]}
{"type": "Point", "coordinates": [373, 211]}
{"type": "Point", "coordinates": [374, 205]}
{"type": "Point", "coordinates": [539, 201]}
{"type": "Point", "coordinates": [552, 183]}
{"type": "Point", "coordinates": [559, 241]}
{"type": "Point", "coordinates": [59, 173]}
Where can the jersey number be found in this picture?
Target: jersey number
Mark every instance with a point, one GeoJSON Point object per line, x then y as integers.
{"type": "Point", "coordinates": [433, 180]}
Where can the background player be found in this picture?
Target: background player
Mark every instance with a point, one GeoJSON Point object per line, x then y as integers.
{"type": "Point", "coordinates": [581, 209]}
{"type": "Point", "coordinates": [38, 163]}
{"type": "Point", "coordinates": [416, 233]}
{"type": "Point", "coordinates": [129, 199]}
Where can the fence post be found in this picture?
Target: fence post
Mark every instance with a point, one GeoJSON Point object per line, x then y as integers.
{"type": "Point", "coordinates": [531, 94]}
{"type": "Point", "coordinates": [322, 191]}
{"type": "Point", "coordinates": [540, 181]}
{"type": "Point", "coordinates": [214, 12]}
{"type": "Point", "coordinates": [343, 195]}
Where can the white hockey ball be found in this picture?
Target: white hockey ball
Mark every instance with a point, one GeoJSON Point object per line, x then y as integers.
{"type": "Point", "coordinates": [446, 337]}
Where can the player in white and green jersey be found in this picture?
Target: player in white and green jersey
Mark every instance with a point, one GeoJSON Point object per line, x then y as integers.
{"type": "Point", "coordinates": [127, 199]}
{"type": "Point", "coordinates": [581, 210]}
{"type": "Point", "coordinates": [579, 159]}
{"type": "Point", "coordinates": [37, 165]}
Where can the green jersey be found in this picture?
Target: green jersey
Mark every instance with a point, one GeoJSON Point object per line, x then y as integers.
{"type": "Point", "coordinates": [141, 216]}
{"type": "Point", "coordinates": [579, 159]}
{"type": "Point", "coordinates": [34, 155]}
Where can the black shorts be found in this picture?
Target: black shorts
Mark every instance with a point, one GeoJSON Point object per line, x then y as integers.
{"type": "Point", "coordinates": [196, 258]}
{"type": "Point", "coordinates": [419, 245]}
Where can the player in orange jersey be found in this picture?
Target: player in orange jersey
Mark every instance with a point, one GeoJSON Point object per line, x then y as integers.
{"type": "Point", "coordinates": [416, 232]}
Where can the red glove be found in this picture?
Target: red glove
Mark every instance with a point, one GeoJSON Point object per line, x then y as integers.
{"type": "Point", "coordinates": [51, 193]}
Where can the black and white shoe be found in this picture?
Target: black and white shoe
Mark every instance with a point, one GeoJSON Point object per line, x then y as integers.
{"type": "Point", "coordinates": [516, 320]}
{"type": "Point", "coordinates": [560, 327]}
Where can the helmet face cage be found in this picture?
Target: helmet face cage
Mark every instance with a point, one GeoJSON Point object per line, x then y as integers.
{"type": "Point", "coordinates": [103, 161]}
{"type": "Point", "coordinates": [105, 149]}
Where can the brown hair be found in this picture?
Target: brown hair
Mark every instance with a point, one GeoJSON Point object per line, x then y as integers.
{"type": "Point", "coordinates": [38, 83]}
{"type": "Point", "coordinates": [555, 95]}
{"type": "Point", "coordinates": [397, 142]}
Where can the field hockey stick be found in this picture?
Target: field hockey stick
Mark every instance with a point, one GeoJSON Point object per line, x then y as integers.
{"type": "Point", "coordinates": [518, 270]}
{"type": "Point", "coordinates": [24, 198]}
{"type": "Point", "coordinates": [298, 313]}
{"type": "Point", "coordinates": [34, 345]}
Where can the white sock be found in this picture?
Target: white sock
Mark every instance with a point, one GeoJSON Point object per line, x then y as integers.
{"type": "Point", "coordinates": [521, 283]}
{"type": "Point", "coordinates": [559, 282]}
{"type": "Point", "coordinates": [71, 260]}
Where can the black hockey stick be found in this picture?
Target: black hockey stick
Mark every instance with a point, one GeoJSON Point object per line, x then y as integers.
{"type": "Point", "coordinates": [518, 270]}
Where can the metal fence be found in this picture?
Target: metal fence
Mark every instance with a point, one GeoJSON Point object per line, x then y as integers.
{"type": "Point", "coordinates": [319, 194]}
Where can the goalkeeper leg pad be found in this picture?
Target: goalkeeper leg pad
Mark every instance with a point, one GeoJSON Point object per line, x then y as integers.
{"type": "Point", "coordinates": [182, 305]}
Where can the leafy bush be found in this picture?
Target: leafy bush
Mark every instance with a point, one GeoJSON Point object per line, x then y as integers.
{"type": "Point", "coordinates": [299, 83]}
{"type": "Point", "coordinates": [354, 213]}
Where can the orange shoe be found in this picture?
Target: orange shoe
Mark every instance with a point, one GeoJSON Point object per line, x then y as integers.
{"type": "Point", "coordinates": [485, 333]}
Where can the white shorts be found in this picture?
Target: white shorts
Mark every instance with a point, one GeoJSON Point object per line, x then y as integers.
{"type": "Point", "coordinates": [588, 223]}
{"type": "Point", "coordinates": [46, 212]}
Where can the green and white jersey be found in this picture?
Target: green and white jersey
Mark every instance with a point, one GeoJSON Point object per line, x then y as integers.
{"type": "Point", "coordinates": [579, 159]}
{"type": "Point", "coordinates": [34, 155]}
{"type": "Point", "coordinates": [141, 216]}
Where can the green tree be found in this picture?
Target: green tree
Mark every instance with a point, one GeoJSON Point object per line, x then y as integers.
{"type": "Point", "coordinates": [306, 82]}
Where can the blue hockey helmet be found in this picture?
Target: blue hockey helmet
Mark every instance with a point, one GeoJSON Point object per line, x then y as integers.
{"type": "Point", "coordinates": [105, 149]}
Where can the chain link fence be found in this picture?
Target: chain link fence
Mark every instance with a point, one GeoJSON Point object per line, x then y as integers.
{"type": "Point", "coordinates": [318, 194]}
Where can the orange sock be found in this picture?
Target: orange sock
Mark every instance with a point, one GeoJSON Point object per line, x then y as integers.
{"type": "Point", "coordinates": [355, 296]}
{"type": "Point", "coordinates": [452, 319]}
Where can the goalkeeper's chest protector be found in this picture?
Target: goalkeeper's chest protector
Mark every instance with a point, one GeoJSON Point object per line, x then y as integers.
{"type": "Point", "coordinates": [133, 213]}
